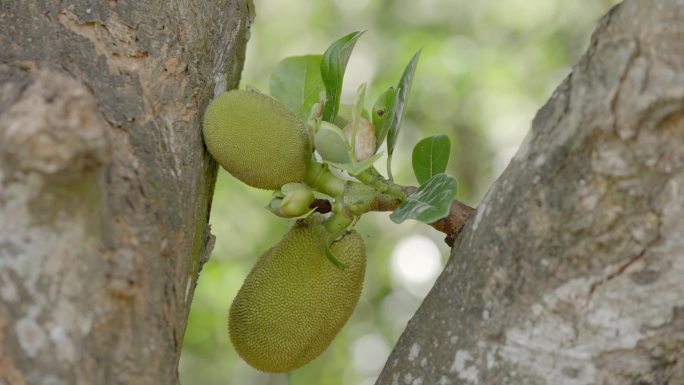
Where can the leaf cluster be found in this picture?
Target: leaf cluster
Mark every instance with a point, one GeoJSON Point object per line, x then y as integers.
{"type": "Point", "coordinates": [311, 86]}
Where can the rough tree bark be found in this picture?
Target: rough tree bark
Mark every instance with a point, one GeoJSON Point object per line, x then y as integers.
{"type": "Point", "coordinates": [105, 187]}
{"type": "Point", "coordinates": [572, 270]}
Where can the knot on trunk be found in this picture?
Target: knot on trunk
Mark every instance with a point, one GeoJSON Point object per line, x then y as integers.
{"type": "Point", "coordinates": [50, 125]}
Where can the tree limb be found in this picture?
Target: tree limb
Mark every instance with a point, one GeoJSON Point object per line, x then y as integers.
{"type": "Point", "coordinates": [105, 185]}
{"type": "Point", "coordinates": [571, 270]}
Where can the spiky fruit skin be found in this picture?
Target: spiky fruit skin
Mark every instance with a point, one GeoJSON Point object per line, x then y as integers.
{"type": "Point", "coordinates": [294, 301]}
{"type": "Point", "coordinates": [256, 139]}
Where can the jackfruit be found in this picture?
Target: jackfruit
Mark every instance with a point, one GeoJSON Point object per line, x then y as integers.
{"type": "Point", "coordinates": [257, 139]}
{"type": "Point", "coordinates": [295, 300]}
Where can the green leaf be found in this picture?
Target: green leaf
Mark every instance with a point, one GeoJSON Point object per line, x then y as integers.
{"type": "Point", "coordinates": [344, 115]}
{"type": "Point", "coordinates": [357, 112]}
{"type": "Point", "coordinates": [356, 168]}
{"type": "Point", "coordinates": [430, 203]}
{"type": "Point", "coordinates": [403, 90]}
{"type": "Point", "coordinates": [382, 114]}
{"type": "Point", "coordinates": [400, 101]}
{"type": "Point", "coordinates": [430, 157]}
{"type": "Point", "coordinates": [296, 81]}
{"type": "Point", "coordinates": [332, 71]}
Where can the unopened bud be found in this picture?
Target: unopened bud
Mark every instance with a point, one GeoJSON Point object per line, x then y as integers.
{"type": "Point", "coordinates": [365, 138]}
{"type": "Point", "coordinates": [296, 202]}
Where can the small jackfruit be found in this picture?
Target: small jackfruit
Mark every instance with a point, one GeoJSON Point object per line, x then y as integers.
{"type": "Point", "coordinates": [257, 139]}
{"type": "Point", "coordinates": [295, 300]}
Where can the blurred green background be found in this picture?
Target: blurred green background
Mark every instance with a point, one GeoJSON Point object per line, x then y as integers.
{"type": "Point", "coordinates": [486, 67]}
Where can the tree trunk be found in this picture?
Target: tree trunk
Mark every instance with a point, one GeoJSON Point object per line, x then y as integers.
{"type": "Point", "coordinates": [105, 186]}
{"type": "Point", "coordinates": [572, 270]}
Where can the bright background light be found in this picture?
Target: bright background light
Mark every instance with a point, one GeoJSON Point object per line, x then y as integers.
{"type": "Point", "coordinates": [415, 262]}
{"type": "Point", "coordinates": [369, 353]}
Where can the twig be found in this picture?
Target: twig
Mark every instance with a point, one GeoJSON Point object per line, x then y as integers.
{"type": "Point", "coordinates": [459, 214]}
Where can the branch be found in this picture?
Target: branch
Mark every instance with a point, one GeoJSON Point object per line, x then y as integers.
{"type": "Point", "coordinates": [459, 214]}
{"type": "Point", "coordinates": [451, 225]}
{"type": "Point", "coordinates": [571, 272]}
{"type": "Point", "coordinates": [105, 184]}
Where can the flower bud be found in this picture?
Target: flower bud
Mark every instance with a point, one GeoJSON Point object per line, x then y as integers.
{"type": "Point", "coordinates": [296, 202]}
{"type": "Point", "coordinates": [331, 143]}
{"type": "Point", "coordinates": [365, 138]}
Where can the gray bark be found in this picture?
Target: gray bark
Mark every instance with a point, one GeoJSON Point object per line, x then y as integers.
{"type": "Point", "coordinates": [105, 186]}
{"type": "Point", "coordinates": [572, 270]}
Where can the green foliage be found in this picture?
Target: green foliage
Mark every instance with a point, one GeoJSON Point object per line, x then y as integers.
{"type": "Point", "coordinates": [397, 110]}
{"type": "Point", "coordinates": [357, 112]}
{"type": "Point", "coordinates": [430, 202]}
{"type": "Point", "coordinates": [430, 157]}
{"type": "Point", "coordinates": [296, 81]}
{"type": "Point", "coordinates": [333, 66]}
{"type": "Point", "coordinates": [383, 111]}
{"type": "Point", "coordinates": [356, 168]}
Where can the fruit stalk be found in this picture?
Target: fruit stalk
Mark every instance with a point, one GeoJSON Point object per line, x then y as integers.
{"type": "Point", "coordinates": [375, 195]}
{"type": "Point", "coordinates": [390, 189]}
{"type": "Point", "coordinates": [320, 178]}
{"type": "Point", "coordinates": [339, 221]}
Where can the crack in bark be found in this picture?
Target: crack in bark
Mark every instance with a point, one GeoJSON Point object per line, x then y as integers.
{"type": "Point", "coordinates": [634, 54]}
{"type": "Point", "coordinates": [614, 274]}
{"type": "Point", "coordinates": [623, 267]}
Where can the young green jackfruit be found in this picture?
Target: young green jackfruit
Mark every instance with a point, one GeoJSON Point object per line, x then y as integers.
{"type": "Point", "coordinates": [295, 300]}
{"type": "Point", "coordinates": [257, 139]}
